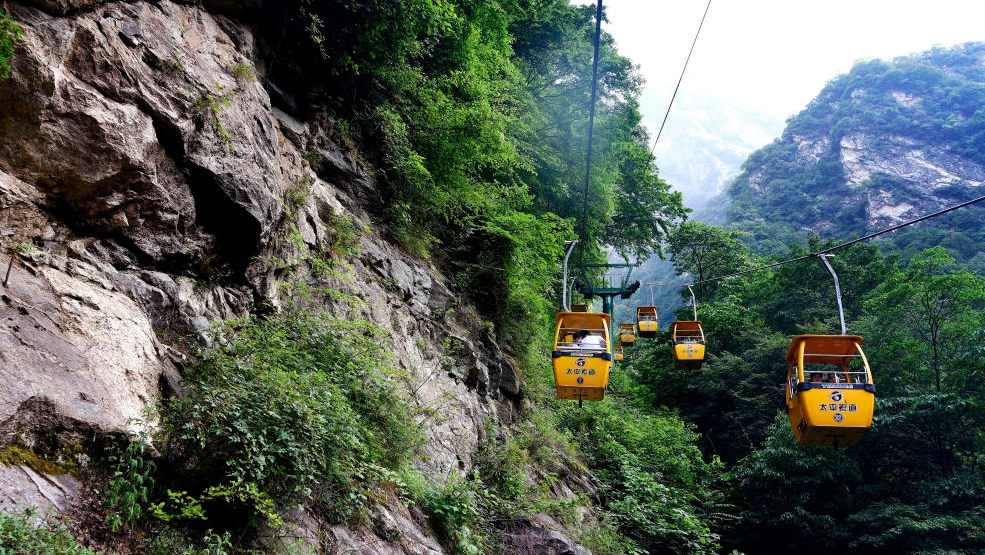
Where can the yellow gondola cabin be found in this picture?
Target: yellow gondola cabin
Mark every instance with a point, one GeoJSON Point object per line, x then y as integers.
{"type": "Point", "coordinates": [646, 321]}
{"type": "Point", "coordinates": [582, 365]}
{"type": "Point", "coordinates": [830, 392]}
{"type": "Point", "coordinates": [627, 334]}
{"type": "Point", "coordinates": [688, 341]}
{"type": "Point", "coordinates": [617, 353]}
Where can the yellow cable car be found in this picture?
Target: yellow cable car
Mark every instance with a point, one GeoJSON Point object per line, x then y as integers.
{"type": "Point", "coordinates": [582, 366]}
{"type": "Point", "coordinates": [646, 321]}
{"type": "Point", "coordinates": [688, 341]}
{"type": "Point", "coordinates": [830, 392]}
{"type": "Point", "coordinates": [617, 353]}
{"type": "Point", "coordinates": [627, 334]}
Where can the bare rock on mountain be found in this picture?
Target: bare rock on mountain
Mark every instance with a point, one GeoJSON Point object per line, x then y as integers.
{"type": "Point", "coordinates": [539, 535]}
{"type": "Point", "coordinates": [128, 121]}
{"type": "Point", "coordinates": [78, 356]}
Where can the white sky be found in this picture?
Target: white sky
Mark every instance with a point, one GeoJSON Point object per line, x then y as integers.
{"type": "Point", "coordinates": [776, 55]}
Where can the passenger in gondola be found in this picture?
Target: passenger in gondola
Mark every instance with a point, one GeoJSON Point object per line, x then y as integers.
{"type": "Point", "coordinates": [816, 377]}
{"type": "Point", "coordinates": [591, 341]}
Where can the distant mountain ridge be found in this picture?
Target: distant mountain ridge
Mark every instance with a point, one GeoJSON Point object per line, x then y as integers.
{"type": "Point", "coordinates": [883, 144]}
{"type": "Point", "coordinates": [700, 151]}
{"type": "Point", "coordinates": [705, 142]}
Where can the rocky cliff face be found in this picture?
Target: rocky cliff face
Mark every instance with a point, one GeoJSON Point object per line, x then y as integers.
{"type": "Point", "coordinates": [927, 167]}
{"type": "Point", "coordinates": [886, 143]}
{"type": "Point", "coordinates": [146, 183]}
{"type": "Point", "coordinates": [924, 169]}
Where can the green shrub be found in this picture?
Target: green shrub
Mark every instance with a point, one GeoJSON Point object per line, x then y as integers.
{"type": "Point", "coordinates": [173, 65]}
{"type": "Point", "coordinates": [10, 35]}
{"type": "Point", "coordinates": [168, 541]}
{"type": "Point", "coordinates": [243, 72]}
{"type": "Point", "coordinates": [130, 481]}
{"type": "Point", "coordinates": [300, 405]}
{"type": "Point", "coordinates": [658, 489]}
{"type": "Point", "coordinates": [456, 510]}
{"type": "Point", "coordinates": [499, 465]}
{"type": "Point", "coordinates": [29, 534]}
{"type": "Point", "coordinates": [211, 106]}
{"type": "Point", "coordinates": [604, 538]}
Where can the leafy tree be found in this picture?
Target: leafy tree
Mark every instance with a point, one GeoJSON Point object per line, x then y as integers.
{"type": "Point", "coordinates": [474, 116]}
{"type": "Point", "coordinates": [654, 481]}
{"type": "Point", "coordinates": [928, 331]}
{"type": "Point", "coordinates": [794, 499]}
{"type": "Point", "coordinates": [802, 298]}
{"type": "Point", "coordinates": [705, 252]}
{"type": "Point", "coordinates": [645, 208]}
{"type": "Point", "coordinates": [913, 485]}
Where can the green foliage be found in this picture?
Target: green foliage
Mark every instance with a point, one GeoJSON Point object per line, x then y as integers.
{"type": "Point", "coordinates": [510, 272]}
{"type": "Point", "coordinates": [168, 541]}
{"type": "Point", "coordinates": [456, 510]}
{"type": "Point", "coordinates": [652, 474]}
{"type": "Point", "coordinates": [243, 71]}
{"type": "Point", "coordinates": [706, 252]}
{"type": "Point", "coordinates": [179, 505]}
{"type": "Point", "coordinates": [214, 103]}
{"type": "Point", "coordinates": [182, 506]}
{"type": "Point", "coordinates": [606, 539]}
{"type": "Point", "coordinates": [212, 106]}
{"type": "Point", "coordinates": [130, 481]}
{"type": "Point", "coordinates": [20, 249]}
{"type": "Point", "coordinates": [474, 118]}
{"type": "Point", "coordinates": [298, 193]}
{"type": "Point", "coordinates": [783, 487]}
{"type": "Point", "coordinates": [893, 527]}
{"type": "Point", "coordinates": [801, 298]}
{"type": "Point", "coordinates": [10, 34]}
{"type": "Point", "coordinates": [173, 65]}
{"type": "Point", "coordinates": [29, 533]}
{"type": "Point", "coordinates": [914, 484]}
{"type": "Point", "coordinates": [294, 406]}
{"type": "Point", "coordinates": [499, 465]}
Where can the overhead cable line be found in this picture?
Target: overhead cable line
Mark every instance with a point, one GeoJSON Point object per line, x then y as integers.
{"type": "Point", "coordinates": [827, 250]}
{"type": "Point", "coordinates": [846, 243]}
{"type": "Point", "coordinates": [681, 78]}
{"type": "Point", "coordinates": [591, 119]}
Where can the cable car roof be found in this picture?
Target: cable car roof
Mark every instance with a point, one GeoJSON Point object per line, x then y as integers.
{"type": "Point", "coordinates": [824, 349]}
{"type": "Point", "coordinates": [583, 319]}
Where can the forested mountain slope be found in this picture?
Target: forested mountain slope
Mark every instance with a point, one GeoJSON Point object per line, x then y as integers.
{"type": "Point", "coordinates": [888, 142]}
